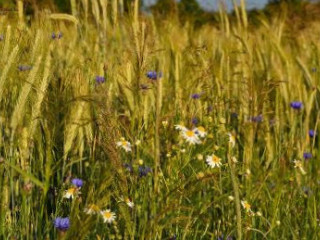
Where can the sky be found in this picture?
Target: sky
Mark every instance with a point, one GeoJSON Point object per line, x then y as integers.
{"type": "Point", "coordinates": [213, 4]}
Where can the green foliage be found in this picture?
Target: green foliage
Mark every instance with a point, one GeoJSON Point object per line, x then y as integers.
{"type": "Point", "coordinates": [58, 123]}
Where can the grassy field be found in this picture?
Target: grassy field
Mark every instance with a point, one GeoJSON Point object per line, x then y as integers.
{"type": "Point", "coordinates": [97, 96]}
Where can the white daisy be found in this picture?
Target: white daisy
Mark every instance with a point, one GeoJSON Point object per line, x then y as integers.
{"type": "Point", "coordinates": [298, 164]}
{"type": "Point", "coordinates": [200, 131]}
{"type": "Point", "coordinates": [190, 136]}
{"type": "Point", "coordinates": [246, 205]}
{"type": "Point", "coordinates": [180, 127]}
{"type": "Point", "coordinates": [108, 216]}
{"type": "Point", "coordinates": [124, 144]}
{"type": "Point", "coordinates": [129, 203]}
{"type": "Point", "coordinates": [213, 161]}
{"type": "Point", "coordinates": [71, 192]}
{"type": "Point", "coordinates": [92, 209]}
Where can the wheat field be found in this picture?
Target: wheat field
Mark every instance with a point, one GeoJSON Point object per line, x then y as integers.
{"type": "Point", "coordinates": [126, 126]}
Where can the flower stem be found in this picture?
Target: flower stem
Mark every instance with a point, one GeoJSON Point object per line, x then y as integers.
{"type": "Point", "coordinates": [235, 186]}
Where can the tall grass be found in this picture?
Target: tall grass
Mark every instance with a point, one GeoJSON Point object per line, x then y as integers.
{"type": "Point", "coordinates": [58, 123]}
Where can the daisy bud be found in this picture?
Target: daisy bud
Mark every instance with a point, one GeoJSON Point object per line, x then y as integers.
{"type": "Point", "coordinates": [199, 157]}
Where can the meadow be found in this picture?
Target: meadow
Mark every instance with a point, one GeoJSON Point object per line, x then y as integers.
{"type": "Point", "coordinates": [128, 126]}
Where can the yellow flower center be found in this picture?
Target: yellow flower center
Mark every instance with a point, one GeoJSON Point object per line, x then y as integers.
{"type": "Point", "coordinates": [215, 159]}
{"type": "Point", "coordinates": [247, 206]}
{"type": "Point", "coordinates": [124, 143]}
{"type": "Point", "coordinates": [190, 133]}
{"type": "Point", "coordinates": [71, 190]}
{"type": "Point", "coordinates": [201, 129]}
{"type": "Point", "coordinates": [107, 215]}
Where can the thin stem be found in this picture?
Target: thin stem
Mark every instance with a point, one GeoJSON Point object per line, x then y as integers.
{"type": "Point", "coordinates": [235, 186]}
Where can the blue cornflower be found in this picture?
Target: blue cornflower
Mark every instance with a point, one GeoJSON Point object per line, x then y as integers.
{"type": "Point", "coordinates": [53, 35]}
{"type": "Point", "coordinates": [307, 155]}
{"type": "Point", "coordinates": [24, 68]}
{"type": "Point", "coordinates": [307, 191]}
{"type": "Point", "coordinates": [77, 182]}
{"type": "Point", "coordinates": [234, 115]}
{"type": "Point", "coordinates": [143, 171]}
{"type": "Point", "coordinates": [296, 105]}
{"type": "Point", "coordinates": [196, 96]}
{"type": "Point", "coordinates": [257, 119]}
{"type": "Point", "coordinates": [128, 166]}
{"type": "Point", "coordinates": [62, 224]}
{"type": "Point", "coordinates": [223, 238]}
{"type": "Point", "coordinates": [154, 75]}
{"type": "Point", "coordinates": [312, 133]}
{"type": "Point", "coordinates": [174, 237]}
{"type": "Point", "coordinates": [194, 121]}
{"type": "Point", "coordinates": [100, 79]}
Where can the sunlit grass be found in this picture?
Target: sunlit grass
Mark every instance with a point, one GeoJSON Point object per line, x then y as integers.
{"type": "Point", "coordinates": [101, 103]}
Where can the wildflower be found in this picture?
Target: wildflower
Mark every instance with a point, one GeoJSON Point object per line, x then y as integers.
{"type": "Point", "coordinates": [140, 162]}
{"type": "Point", "coordinates": [124, 144]}
{"type": "Point", "coordinates": [196, 96]}
{"type": "Point", "coordinates": [59, 36]}
{"type": "Point", "coordinates": [298, 164]}
{"type": "Point", "coordinates": [168, 155]}
{"type": "Point", "coordinates": [129, 203]}
{"type": "Point", "coordinates": [231, 198]}
{"type": "Point", "coordinates": [190, 136]}
{"type": "Point", "coordinates": [307, 191]}
{"type": "Point", "coordinates": [174, 237]}
{"type": "Point", "coordinates": [213, 161]}
{"type": "Point", "coordinates": [246, 206]}
{"type": "Point", "coordinates": [278, 223]}
{"type": "Point", "coordinates": [199, 157]}
{"type": "Point", "coordinates": [296, 105]}
{"type": "Point", "coordinates": [77, 182]}
{"type": "Point", "coordinates": [53, 35]}
{"type": "Point", "coordinates": [128, 166]}
{"type": "Point", "coordinates": [200, 131]}
{"type": "Point", "coordinates": [71, 192]}
{"type": "Point", "coordinates": [92, 209]}
{"type": "Point", "coordinates": [194, 121]}
{"type": "Point", "coordinates": [165, 123]}
{"type": "Point", "coordinates": [143, 171]}
{"type": "Point", "coordinates": [200, 175]}
{"type": "Point", "coordinates": [307, 155]}
{"type": "Point", "coordinates": [312, 133]}
{"type": "Point", "coordinates": [259, 214]}
{"type": "Point", "coordinates": [183, 150]}
{"type": "Point", "coordinates": [257, 119]}
{"type": "Point", "coordinates": [138, 142]}
{"type": "Point", "coordinates": [180, 127]}
{"type": "Point", "coordinates": [23, 68]}
{"type": "Point", "coordinates": [100, 79]}
{"type": "Point", "coordinates": [62, 224]}
{"type": "Point", "coordinates": [154, 75]}
{"type": "Point", "coordinates": [234, 159]}
{"type": "Point", "coordinates": [108, 216]}
{"type": "Point", "coordinates": [232, 139]}
{"type": "Point", "coordinates": [234, 115]}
